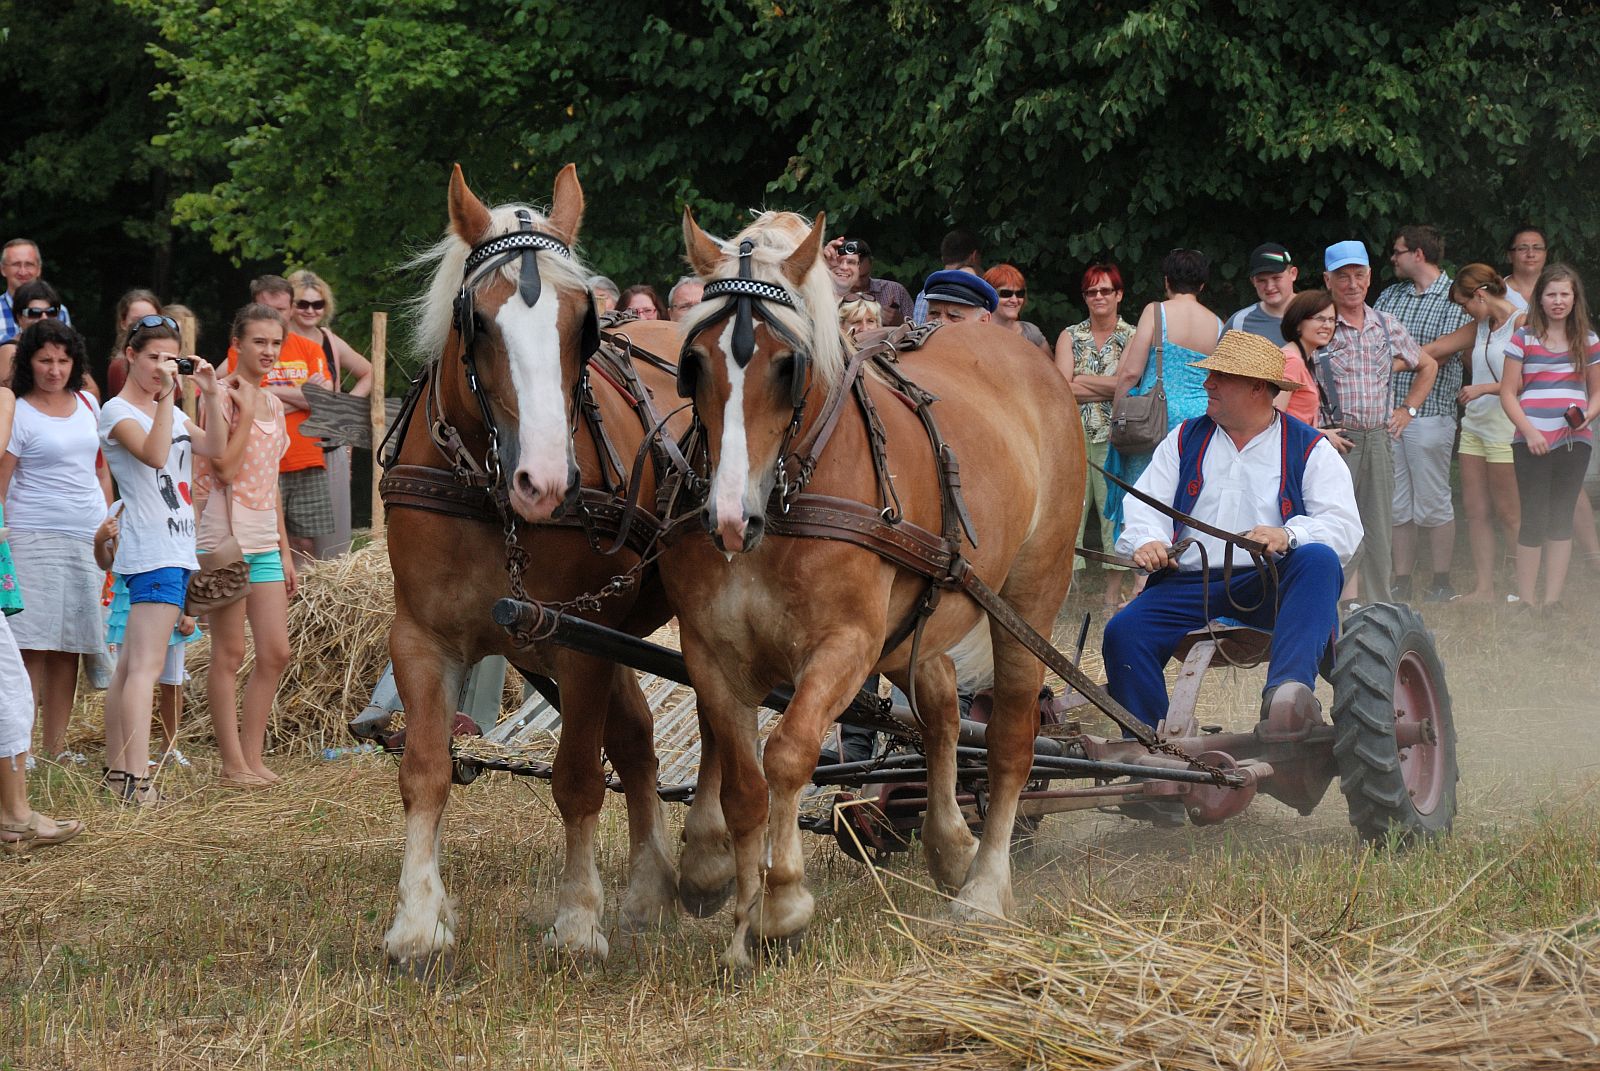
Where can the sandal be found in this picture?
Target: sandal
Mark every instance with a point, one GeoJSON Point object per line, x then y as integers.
{"type": "Point", "coordinates": [24, 836]}
{"type": "Point", "coordinates": [119, 783]}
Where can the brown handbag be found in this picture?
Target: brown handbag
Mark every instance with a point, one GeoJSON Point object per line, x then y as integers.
{"type": "Point", "coordinates": [1139, 421]}
{"type": "Point", "coordinates": [224, 576]}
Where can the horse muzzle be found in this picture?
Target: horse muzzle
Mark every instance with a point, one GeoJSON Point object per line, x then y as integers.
{"type": "Point", "coordinates": [538, 497]}
{"type": "Point", "coordinates": [733, 535]}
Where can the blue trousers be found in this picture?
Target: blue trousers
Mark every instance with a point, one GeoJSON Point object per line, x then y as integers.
{"type": "Point", "coordinates": [1140, 640]}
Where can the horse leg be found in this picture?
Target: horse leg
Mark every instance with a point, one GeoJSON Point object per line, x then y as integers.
{"type": "Point", "coordinates": [705, 866]}
{"type": "Point", "coordinates": [949, 844]}
{"type": "Point", "coordinates": [578, 784]}
{"type": "Point", "coordinates": [1012, 728]}
{"type": "Point", "coordinates": [424, 926]}
{"type": "Point", "coordinates": [630, 742]}
{"type": "Point", "coordinates": [831, 677]}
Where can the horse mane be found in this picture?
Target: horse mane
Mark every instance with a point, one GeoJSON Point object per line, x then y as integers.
{"type": "Point", "coordinates": [428, 316]}
{"type": "Point", "coordinates": [813, 325]}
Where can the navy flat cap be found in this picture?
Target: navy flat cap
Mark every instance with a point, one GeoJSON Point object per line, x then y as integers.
{"type": "Point", "coordinates": [961, 288]}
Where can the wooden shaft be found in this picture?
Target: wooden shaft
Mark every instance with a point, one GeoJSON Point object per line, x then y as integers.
{"type": "Point", "coordinates": [187, 340]}
{"type": "Point", "coordinates": [380, 416]}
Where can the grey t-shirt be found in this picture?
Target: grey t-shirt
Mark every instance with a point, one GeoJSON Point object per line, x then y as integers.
{"type": "Point", "coordinates": [1257, 321]}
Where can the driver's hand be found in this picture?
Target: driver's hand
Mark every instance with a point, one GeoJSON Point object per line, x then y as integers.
{"type": "Point", "coordinates": [1153, 557]}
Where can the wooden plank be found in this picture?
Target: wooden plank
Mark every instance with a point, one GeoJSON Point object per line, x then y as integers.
{"type": "Point", "coordinates": [379, 410]}
{"type": "Point", "coordinates": [342, 419]}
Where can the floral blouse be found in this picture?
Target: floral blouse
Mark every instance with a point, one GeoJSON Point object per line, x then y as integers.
{"type": "Point", "coordinates": [1090, 360]}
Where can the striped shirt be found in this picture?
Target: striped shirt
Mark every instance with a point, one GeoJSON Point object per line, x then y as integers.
{"type": "Point", "coordinates": [1426, 316]}
{"type": "Point", "coordinates": [1550, 385]}
{"type": "Point", "coordinates": [1354, 368]}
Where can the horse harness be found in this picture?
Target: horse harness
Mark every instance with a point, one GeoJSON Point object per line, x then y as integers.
{"type": "Point", "coordinates": [476, 490]}
{"type": "Point", "coordinates": [882, 529]}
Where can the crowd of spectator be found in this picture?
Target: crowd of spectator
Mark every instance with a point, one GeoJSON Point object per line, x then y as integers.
{"type": "Point", "coordinates": [1494, 375]}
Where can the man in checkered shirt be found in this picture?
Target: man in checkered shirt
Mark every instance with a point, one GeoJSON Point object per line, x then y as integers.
{"type": "Point", "coordinates": [1421, 301]}
{"type": "Point", "coordinates": [1355, 371]}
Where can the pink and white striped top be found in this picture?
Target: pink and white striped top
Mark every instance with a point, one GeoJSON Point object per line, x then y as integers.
{"type": "Point", "coordinates": [1550, 385]}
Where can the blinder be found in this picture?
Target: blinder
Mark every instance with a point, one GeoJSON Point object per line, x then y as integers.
{"type": "Point", "coordinates": [742, 293]}
{"type": "Point", "coordinates": [497, 252]}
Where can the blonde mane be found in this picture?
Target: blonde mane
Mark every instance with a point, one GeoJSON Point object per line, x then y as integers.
{"type": "Point", "coordinates": [813, 324]}
{"type": "Point", "coordinates": [428, 315]}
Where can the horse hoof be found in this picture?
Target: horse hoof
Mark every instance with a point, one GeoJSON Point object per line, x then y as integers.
{"type": "Point", "coordinates": [592, 946]}
{"type": "Point", "coordinates": [774, 949]}
{"type": "Point", "coordinates": [428, 969]}
{"type": "Point", "coordinates": [703, 903]}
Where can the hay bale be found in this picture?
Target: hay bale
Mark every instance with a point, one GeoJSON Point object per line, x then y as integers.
{"type": "Point", "coordinates": [339, 633]}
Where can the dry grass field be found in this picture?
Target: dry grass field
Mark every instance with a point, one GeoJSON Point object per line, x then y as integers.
{"type": "Point", "coordinates": [243, 930]}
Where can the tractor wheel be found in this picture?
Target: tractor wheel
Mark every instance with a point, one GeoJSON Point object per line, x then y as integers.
{"type": "Point", "coordinates": [1394, 736]}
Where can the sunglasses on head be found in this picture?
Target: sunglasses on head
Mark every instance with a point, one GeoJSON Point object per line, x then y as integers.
{"type": "Point", "coordinates": [144, 323]}
{"type": "Point", "coordinates": [1012, 293]}
{"type": "Point", "coordinates": [32, 312]}
{"type": "Point", "coordinates": [310, 306]}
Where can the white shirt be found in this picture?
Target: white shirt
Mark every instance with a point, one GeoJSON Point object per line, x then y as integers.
{"type": "Point", "coordinates": [1239, 490]}
{"type": "Point", "coordinates": [157, 522]}
{"type": "Point", "coordinates": [54, 487]}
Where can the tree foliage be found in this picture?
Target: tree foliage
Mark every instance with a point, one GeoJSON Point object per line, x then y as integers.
{"type": "Point", "coordinates": [1061, 132]}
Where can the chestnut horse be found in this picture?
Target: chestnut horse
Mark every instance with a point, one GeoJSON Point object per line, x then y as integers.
{"type": "Point", "coordinates": [756, 609]}
{"type": "Point", "coordinates": [527, 344]}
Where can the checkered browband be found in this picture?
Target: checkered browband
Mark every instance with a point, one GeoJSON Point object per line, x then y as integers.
{"type": "Point", "coordinates": [511, 243]}
{"type": "Point", "coordinates": [747, 288]}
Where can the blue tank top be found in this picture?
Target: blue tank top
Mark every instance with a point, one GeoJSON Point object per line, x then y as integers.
{"type": "Point", "coordinates": [1184, 383]}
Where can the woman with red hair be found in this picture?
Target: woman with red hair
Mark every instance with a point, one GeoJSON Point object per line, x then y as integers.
{"type": "Point", "coordinates": [1009, 283]}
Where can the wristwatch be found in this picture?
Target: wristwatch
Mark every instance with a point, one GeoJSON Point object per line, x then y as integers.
{"type": "Point", "coordinates": [1294, 541]}
{"type": "Point", "coordinates": [1411, 411]}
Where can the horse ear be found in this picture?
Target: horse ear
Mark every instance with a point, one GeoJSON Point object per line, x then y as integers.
{"type": "Point", "coordinates": [798, 265]}
{"type": "Point", "coordinates": [704, 252]}
{"type": "Point", "coordinates": [468, 216]}
{"type": "Point", "coordinates": [566, 206]}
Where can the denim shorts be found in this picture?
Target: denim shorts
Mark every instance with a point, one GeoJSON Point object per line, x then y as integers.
{"type": "Point", "coordinates": [265, 567]}
{"type": "Point", "coordinates": [169, 585]}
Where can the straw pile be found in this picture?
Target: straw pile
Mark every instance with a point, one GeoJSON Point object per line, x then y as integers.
{"type": "Point", "coordinates": [1185, 994]}
{"type": "Point", "coordinates": [339, 633]}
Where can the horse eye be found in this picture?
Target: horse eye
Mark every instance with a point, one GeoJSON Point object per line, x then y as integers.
{"type": "Point", "coordinates": [783, 364]}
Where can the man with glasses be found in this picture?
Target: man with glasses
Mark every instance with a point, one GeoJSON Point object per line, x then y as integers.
{"type": "Point", "coordinates": [684, 295]}
{"type": "Point", "coordinates": [20, 263]}
{"type": "Point", "coordinates": [1421, 302]}
{"type": "Point", "coordinates": [1272, 273]}
{"type": "Point", "coordinates": [1357, 371]}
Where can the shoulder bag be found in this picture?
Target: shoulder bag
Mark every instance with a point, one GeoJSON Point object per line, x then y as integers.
{"type": "Point", "coordinates": [224, 576]}
{"type": "Point", "coordinates": [1139, 421]}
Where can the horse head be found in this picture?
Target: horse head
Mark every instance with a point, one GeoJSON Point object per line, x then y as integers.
{"type": "Point", "coordinates": [511, 299]}
{"type": "Point", "coordinates": [764, 340]}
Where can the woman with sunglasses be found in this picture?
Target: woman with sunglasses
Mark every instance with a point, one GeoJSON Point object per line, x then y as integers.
{"type": "Point", "coordinates": [22, 829]}
{"type": "Point", "coordinates": [1087, 355]}
{"type": "Point", "coordinates": [34, 301]}
{"type": "Point", "coordinates": [150, 445]}
{"type": "Point", "coordinates": [1488, 476]}
{"type": "Point", "coordinates": [312, 312]}
{"type": "Point", "coordinates": [56, 490]}
{"type": "Point", "coordinates": [1012, 287]}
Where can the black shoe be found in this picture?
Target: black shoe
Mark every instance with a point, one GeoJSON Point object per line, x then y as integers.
{"type": "Point", "coordinates": [1400, 589]}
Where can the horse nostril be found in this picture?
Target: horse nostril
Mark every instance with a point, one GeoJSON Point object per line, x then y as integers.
{"type": "Point", "coordinates": [753, 529]}
{"type": "Point", "coordinates": [524, 483]}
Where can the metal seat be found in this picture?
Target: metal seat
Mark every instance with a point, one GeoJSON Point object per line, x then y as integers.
{"type": "Point", "coordinates": [1236, 642]}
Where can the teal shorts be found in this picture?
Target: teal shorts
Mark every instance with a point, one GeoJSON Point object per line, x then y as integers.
{"type": "Point", "coordinates": [266, 567]}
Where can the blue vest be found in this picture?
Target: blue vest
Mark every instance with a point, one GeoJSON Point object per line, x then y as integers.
{"type": "Point", "coordinates": [1194, 438]}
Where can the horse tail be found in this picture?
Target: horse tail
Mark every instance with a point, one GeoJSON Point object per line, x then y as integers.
{"type": "Point", "coordinates": [974, 658]}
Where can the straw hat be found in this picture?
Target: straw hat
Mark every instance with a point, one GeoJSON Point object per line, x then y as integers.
{"type": "Point", "coordinates": [1239, 353]}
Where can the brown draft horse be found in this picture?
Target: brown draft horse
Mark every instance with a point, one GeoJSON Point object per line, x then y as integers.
{"type": "Point", "coordinates": [755, 611]}
{"type": "Point", "coordinates": [449, 570]}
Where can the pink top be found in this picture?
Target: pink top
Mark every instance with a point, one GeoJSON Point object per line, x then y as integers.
{"type": "Point", "coordinates": [254, 488]}
{"type": "Point", "coordinates": [1303, 402]}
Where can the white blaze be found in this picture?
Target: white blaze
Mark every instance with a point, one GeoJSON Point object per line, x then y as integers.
{"type": "Point", "coordinates": [533, 347]}
{"type": "Point", "coordinates": [733, 467]}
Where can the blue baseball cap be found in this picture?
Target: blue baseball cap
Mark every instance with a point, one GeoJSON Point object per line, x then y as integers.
{"type": "Point", "coordinates": [960, 288]}
{"type": "Point", "coordinates": [1343, 254]}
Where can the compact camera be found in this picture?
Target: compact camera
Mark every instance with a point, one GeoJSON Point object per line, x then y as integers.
{"type": "Point", "coordinates": [850, 248]}
{"type": "Point", "coordinates": [185, 366]}
{"type": "Point", "coordinates": [1574, 416]}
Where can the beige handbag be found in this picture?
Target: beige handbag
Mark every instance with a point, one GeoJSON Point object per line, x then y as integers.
{"type": "Point", "coordinates": [224, 576]}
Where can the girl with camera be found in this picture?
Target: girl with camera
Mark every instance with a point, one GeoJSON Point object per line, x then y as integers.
{"type": "Point", "coordinates": [1550, 388]}
{"type": "Point", "coordinates": [149, 444]}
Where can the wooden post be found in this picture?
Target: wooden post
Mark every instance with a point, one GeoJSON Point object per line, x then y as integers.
{"type": "Point", "coordinates": [188, 338]}
{"type": "Point", "coordinates": [380, 417]}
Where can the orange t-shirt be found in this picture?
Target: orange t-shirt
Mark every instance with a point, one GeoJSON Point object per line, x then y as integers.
{"type": "Point", "coordinates": [298, 361]}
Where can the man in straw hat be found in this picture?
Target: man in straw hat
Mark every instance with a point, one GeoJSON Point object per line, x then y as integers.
{"type": "Point", "coordinates": [1242, 467]}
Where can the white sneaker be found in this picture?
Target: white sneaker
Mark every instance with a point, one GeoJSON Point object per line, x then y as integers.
{"type": "Point", "coordinates": [71, 758]}
{"type": "Point", "coordinates": [29, 763]}
{"type": "Point", "coordinates": [175, 757]}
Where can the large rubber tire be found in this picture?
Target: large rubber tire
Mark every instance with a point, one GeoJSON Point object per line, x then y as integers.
{"type": "Point", "coordinates": [1387, 671]}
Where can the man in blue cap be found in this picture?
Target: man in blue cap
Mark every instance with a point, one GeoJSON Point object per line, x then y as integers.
{"type": "Point", "coordinates": [1356, 372]}
{"type": "Point", "coordinates": [956, 296]}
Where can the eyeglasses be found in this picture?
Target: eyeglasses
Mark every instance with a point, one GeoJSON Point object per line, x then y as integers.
{"type": "Point", "coordinates": [150, 322]}
{"type": "Point", "coordinates": [1526, 248]}
{"type": "Point", "coordinates": [32, 313]}
{"type": "Point", "coordinates": [1099, 291]}
{"type": "Point", "coordinates": [1400, 252]}
{"type": "Point", "coordinates": [683, 306]}
{"type": "Point", "coordinates": [1012, 293]}
{"type": "Point", "coordinates": [1325, 318]}
{"type": "Point", "coordinates": [310, 306]}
